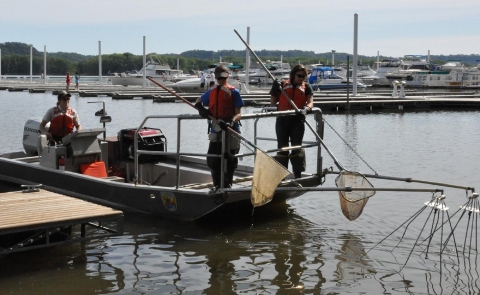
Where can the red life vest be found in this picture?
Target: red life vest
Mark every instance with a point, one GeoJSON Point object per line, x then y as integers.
{"type": "Point", "coordinates": [221, 103]}
{"type": "Point", "coordinates": [68, 79]}
{"type": "Point", "coordinates": [62, 123]}
{"type": "Point", "coordinates": [297, 95]}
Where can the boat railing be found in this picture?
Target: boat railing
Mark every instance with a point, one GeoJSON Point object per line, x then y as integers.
{"type": "Point", "coordinates": [265, 113]}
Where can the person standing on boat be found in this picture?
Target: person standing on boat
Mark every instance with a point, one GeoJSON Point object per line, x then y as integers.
{"type": "Point", "coordinates": [62, 119]}
{"type": "Point", "coordinates": [225, 105]}
{"type": "Point", "coordinates": [212, 79]}
{"type": "Point", "coordinates": [77, 80]}
{"type": "Point", "coordinates": [290, 129]}
{"type": "Point", "coordinates": [202, 80]}
{"type": "Point", "coordinates": [68, 80]}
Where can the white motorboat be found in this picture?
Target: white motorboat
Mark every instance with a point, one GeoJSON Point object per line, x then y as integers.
{"type": "Point", "coordinates": [325, 78]}
{"type": "Point", "coordinates": [153, 69]}
{"type": "Point", "coordinates": [384, 67]}
{"type": "Point", "coordinates": [257, 74]}
{"type": "Point", "coordinates": [362, 71]}
{"type": "Point", "coordinates": [409, 75]}
{"type": "Point", "coordinates": [193, 85]}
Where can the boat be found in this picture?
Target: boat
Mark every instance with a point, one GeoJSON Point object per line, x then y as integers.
{"type": "Point", "coordinates": [257, 74]}
{"type": "Point", "coordinates": [325, 78]}
{"type": "Point", "coordinates": [192, 84]}
{"type": "Point", "coordinates": [362, 71]}
{"type": "Point", "coordinates": [452, 74]}
{"type": "Point", "coordinates": [413, 68]}
{"type": "Point", "coordinates": [153, 68]}
{"type": "Point", "coordinates": [384, 67]}
{"type": "Point", "coordinates": [136, 171]}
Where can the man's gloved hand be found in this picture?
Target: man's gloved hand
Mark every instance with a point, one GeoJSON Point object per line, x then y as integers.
{"type": "Point", "coordinates": [224, 125]}
{"type": "Point", "coordinates": [276, 85]}
{"type": "Point", "coordinates": [275, 88]}
{"type": "Point", "coordinates": [202, 110]}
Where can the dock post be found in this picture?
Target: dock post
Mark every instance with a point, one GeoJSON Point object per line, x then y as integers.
{"type": "Point", "coordinates": [44, 64]}
{"type": "Point", "coordinates": [355, 54]}
{"type": "Point", "coordinates": [394, 92]}
{"type": "Point", "coordinates": [348, 82]}
{"type": "Point", "coordinates": [402, 89]}
{"type": "Point", "coordinates": [100, 62]}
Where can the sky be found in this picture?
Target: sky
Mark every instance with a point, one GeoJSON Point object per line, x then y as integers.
{"type": "Point", "coordinates": [392, 28]}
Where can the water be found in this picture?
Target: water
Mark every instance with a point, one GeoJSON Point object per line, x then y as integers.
{"type": "Point", "coordinates": [303, 247]}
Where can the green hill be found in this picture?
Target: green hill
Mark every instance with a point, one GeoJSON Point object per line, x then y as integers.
{"type": "Point", "coordinates": [15, 59]}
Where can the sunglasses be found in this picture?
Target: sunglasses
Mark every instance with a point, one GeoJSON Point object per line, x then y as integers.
{"type": "Point", "coordinates": [300, 76]}
{"type": "Point", "coordinates": [221, 78]}
{"type": "Point", "coordinates": [66, 99]}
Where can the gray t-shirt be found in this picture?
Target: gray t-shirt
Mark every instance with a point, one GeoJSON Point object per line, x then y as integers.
{"type": "Point", "coordinates": [50, 114]}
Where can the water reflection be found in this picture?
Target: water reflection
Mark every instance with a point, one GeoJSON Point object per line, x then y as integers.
{"type": "Point", "coordinates": [263, 254]}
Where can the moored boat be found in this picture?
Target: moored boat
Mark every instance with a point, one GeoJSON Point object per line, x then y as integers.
{"type": "Point", "coordinates": [384, 67]}
{"type": "Point", "coordinates": [324, 78]}
{"type": "Point", "coordinates": [257, 74]}
{"type": "Point", "coordinates": [153, 69]}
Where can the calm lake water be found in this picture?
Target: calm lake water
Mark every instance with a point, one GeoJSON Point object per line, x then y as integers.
{"type": "Point", "coordinates": [305, 246]}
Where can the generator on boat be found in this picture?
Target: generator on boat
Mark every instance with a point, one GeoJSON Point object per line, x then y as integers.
{"type": "Point", "coordinates": [150, 139]}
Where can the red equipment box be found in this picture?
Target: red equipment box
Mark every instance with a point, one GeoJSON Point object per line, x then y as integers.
{"type": "Point", "coordinates": [151, 139]}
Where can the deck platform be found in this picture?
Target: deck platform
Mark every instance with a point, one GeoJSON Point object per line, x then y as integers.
{"type": "Point", "coordinates": [29, 219]}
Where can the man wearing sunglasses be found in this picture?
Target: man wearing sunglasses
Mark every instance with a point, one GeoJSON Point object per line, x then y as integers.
{"type": "Point", "coordinates": [290, 129]}
{"type": "Point", "coordinates": [225, 105]}
{"type": "Point", "coordinates": [62, 119]}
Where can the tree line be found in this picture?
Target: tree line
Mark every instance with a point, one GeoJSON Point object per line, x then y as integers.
{"type": "Point", "coordinates": [16, 60]}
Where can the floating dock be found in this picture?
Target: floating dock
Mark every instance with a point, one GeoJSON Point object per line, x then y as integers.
{"type": "Point", "coordinates": [36, 218]}
{"type": "Point", "coordinates": [374, 99]}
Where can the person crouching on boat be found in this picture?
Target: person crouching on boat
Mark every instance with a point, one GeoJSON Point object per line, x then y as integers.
{"type": "Point", "coordinates": [62, 119]}
{"type": "Point", "coordinates": [292, 128]}
{"type": "Point", "coordinates": [225, 105]}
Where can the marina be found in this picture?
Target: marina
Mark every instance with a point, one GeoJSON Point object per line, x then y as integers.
{"type": "Point", "coordinates": [327, 100]}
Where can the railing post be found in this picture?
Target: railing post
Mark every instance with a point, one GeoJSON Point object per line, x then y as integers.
{"type": "Point", "coordinates": [178, 153]}
{"type": "Point", "coordinates": [223, 167]}
{"type": "Point", "coordinates": [320, 132]}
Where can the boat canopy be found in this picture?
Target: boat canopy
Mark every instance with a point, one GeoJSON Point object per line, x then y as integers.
{"type": "Point", "coordinates": [323, 73]}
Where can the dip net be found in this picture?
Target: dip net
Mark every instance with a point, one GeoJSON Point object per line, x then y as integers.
{"type": "Point", "coordinates": [267, 174]}
{"type": "Point", "coordinates": [353, 202]}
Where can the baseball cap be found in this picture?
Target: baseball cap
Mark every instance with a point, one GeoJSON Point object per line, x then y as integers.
{"type": "Point", "coordinates": [63, 94]}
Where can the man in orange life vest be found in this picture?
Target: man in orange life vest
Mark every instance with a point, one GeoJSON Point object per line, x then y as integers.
{"type": "Point", "coordinates": [62, 119]}
{"type": "Point", "coordinates": [224, 104]}
{"type": "Point", "coordinates": [292, 128]}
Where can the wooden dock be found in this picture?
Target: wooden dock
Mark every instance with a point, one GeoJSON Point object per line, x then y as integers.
{"type": "Point", "coordinates": [35, 218]}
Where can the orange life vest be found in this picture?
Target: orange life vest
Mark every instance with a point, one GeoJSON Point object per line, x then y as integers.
{"type": "Point", "coordinates": [296, 94]}
{"type": "Point", "coordinates": [221, 103]}
{"type": "Point", "coordinates": [62, 123]}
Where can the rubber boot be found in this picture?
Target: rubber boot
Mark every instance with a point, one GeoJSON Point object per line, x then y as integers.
{"type": "Point", "coordinates": [229, 178]}
{"type": "Point", "coordinates": [215, 179]}
{"type": "Point", "coordinates": [297, 158]}
{"type": "Point", "coordinates": [282, 159]}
